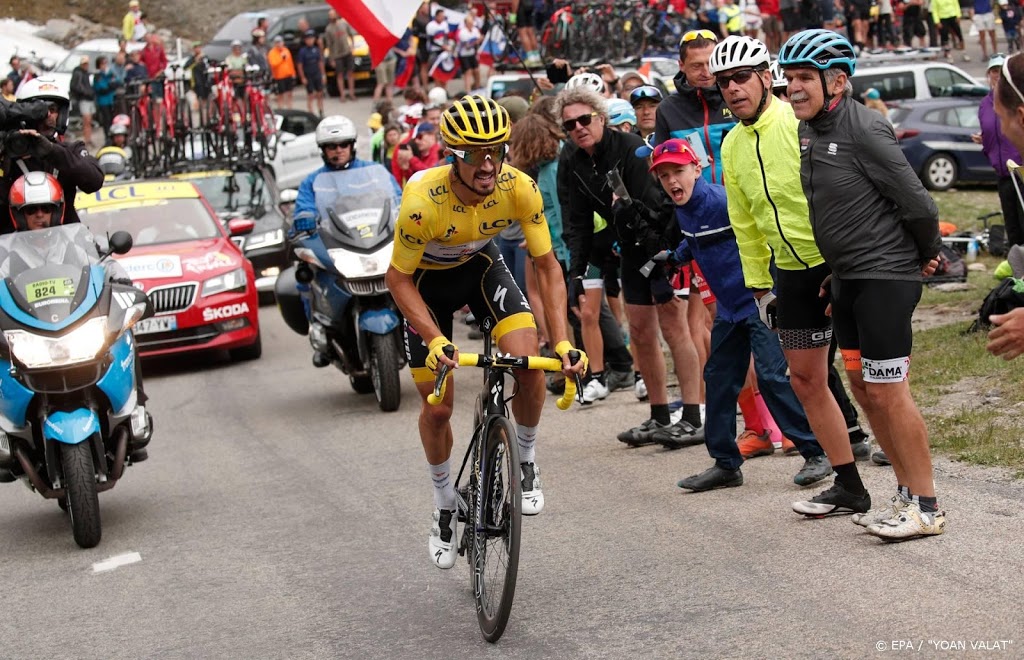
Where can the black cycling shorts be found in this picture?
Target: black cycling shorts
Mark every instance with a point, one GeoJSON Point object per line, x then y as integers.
{"type": "Point", "coordinates": [640, 290]}
{"type": "Point", "coordinates": [801, 312]}
{"type": "Point", "coordinates": [485, 284]}
{"type": "Point", "coordinates": [872, 322]}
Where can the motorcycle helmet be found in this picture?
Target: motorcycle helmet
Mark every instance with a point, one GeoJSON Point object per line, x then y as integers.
{"type": "Point", "coordinates": [33, 190]}
{"type": "Point", "coordinates": [336, 129]}
{"type": "Point", "coordinates": [121, 120]}
{"type": "Point", "coordinates": [113, 161]}
{"type": "Point", "coordinates": [48, 89]}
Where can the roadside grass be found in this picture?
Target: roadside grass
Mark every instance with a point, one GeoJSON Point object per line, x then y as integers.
{"type": "Point", "coordinates": [962, 206]}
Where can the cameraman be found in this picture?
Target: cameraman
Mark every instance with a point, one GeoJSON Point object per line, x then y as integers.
{"type": "Point", "coordinates": [41, 147]}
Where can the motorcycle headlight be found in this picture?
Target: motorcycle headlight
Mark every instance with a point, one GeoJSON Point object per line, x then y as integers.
{"type": "Point", "coordinates": [353, 265]}
{"type": "Point", "coordinates": [265, 240]}
{"type": "Point", "coordinates": [233, 280]}
{"type": "Point", "coordinates": [81, 345]}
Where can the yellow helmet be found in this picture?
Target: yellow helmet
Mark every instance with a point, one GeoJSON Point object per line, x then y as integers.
{"type": "Point", "coordinates": [475, 121]}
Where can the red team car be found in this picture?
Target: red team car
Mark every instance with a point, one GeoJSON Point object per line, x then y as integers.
{"type": "Point", "coordinates": [202, 287]}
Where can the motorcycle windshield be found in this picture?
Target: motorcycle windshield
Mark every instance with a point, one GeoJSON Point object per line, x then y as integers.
{"type": "Point", "coordinates": [46, 271]}
{"type": "Point", "coordinates": [357, 207]}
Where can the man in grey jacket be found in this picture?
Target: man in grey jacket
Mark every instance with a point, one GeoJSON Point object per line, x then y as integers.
{"type": "Point", "coordinates": [878, 230]}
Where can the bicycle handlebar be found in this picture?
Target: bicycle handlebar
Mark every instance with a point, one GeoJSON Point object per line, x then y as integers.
{"type": "Point", "coordinates": [572, 387]}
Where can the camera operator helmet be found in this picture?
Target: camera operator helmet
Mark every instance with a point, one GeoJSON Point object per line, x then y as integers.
{"type": "Point", "coordinates": [113, 161]}
{"type": "Point", "coordinates": [49, 90]}
{"type": "Point", "coordinates": [336, 130]}
{"type": "Point", "coordinates": [34, 195]}
{"type": "Point", "coordinates": [121, 120]}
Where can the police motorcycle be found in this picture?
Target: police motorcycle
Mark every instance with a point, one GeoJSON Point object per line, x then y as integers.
{"type": "Point", "coordinates": [70, 421]}
{"type": "Point", "coordinates": [351, 318]}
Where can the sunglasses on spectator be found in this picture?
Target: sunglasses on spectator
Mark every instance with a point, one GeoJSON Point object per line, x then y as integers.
{"type": "Point", "coordinates": [693, 34]}
{"type": "Point", "coordinates": [583, 120]}
{"type": "Point", "coordinates": [476, 157]}
{"type": "Point", "coordinates": [646, 92]}
{"type": "Point", "coordinates": [672, 147]}
{"type": "Point", "coordinates": [741, 77]}
{"type": "Point", "coordinates": [348, 144]}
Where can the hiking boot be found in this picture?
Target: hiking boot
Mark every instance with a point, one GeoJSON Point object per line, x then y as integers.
{"type": "Point", "coordinates": [814, 470]}
{"type": "Point", "coordinates": [618, 380]}
{"type": "Point", "coordinates": [593, 391]}
{"type": "Point", "coordinates": [533, 498]}
{"type": "Point", "coordinates": [910, 523]}
{"type": "Point", "coordinates": [861, 450]}
{"type": "Point", "coordinates": [638, 436]}
{"type": "Point", "coordinates": [879, 458]}
{"type": "Point", "coordinates": [678, 435]}
{"type": "Point", "coordinates": [891, 509]}
{"type": "Point", "coordinates": [441, 542]}
{"type": "Point", "coordinates": [835, 500]}
{"type": "Point", "coordinates": [712, 478]}
{"type": "Point", "coordinates": [788, 448]}
{"type": "Point", "coordinates": [640, 388]}
{"type": "Point", "coordinates": [752, 445]}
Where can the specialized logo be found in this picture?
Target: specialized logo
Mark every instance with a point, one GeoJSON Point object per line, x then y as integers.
{"type": "Point", "coordinates": [499, 296]}
{"type": "Point", "coordinates": [885, 371]}
{"type": "Point", "coordinates": [225, 312]}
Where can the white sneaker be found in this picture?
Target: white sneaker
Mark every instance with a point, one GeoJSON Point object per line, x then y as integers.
{"type": "Point", "coordinates": [443, 542]}
{"type": "Point", "coordinates": [533, 498]}
{"type": "Point", "coordinates": [891, 509]}
{"type": "Point", "coordinates": [640, 389]}
{"type": "Point", "coordinates": [910, 523]}
{"type": "Point", "coordinates": [593, 391]}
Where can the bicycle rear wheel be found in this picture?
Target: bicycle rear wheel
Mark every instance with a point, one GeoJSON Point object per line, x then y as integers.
{"type": "Point", "coordinates": [497, 522]}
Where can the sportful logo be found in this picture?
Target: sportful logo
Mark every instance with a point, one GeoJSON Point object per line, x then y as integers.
{"type": "Point", "coordinates": [833, 148]}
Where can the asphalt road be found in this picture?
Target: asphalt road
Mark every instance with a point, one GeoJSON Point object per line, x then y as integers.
{"type": "Point", "coordinates": [281, 515]}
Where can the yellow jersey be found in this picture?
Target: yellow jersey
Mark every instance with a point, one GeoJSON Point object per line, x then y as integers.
{"type": "Point", "coordinates": [435, 230]}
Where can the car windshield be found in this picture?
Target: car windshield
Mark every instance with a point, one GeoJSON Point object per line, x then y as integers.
{"type": "Point", "coordinates": [72, 60]}
{"type": "Point", "coordinates": [240, 27]}
{"type": "Point", "coordinates": [898, 115]}
{"type": "Point", "coordinates": [243, 193]}
{"type": "Point", "coordinates": [154, 222]}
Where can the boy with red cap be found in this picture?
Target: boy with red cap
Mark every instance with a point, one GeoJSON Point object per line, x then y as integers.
{"type": "Point", "coordinates": [703, 216]}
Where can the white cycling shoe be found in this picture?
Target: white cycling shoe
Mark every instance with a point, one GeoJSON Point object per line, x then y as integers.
{"type": "Point", "coordinates": [533, 498]}
{"type": "Point", "coordinates": [443, 542]}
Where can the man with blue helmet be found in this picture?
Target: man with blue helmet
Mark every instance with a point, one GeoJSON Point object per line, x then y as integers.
{"type": "Point", "coordinates": [878, 231]}
{"type": "Point", "coordinates": [621, 115]}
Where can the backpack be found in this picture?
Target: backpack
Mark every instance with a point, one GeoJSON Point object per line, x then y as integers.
{"type": "Point", "coordinates": [951, 267]}
{"type": "Point", "coordinates": [1008, 295]}
{"type": "Point", "coordinates": [997, 246]}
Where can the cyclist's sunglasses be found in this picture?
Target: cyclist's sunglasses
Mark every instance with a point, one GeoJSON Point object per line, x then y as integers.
{"type": "Point", "coordinates": [693, 34]}
{"type": "Point", "coordinates": [648, 92]}
{"type": "Point", "coordinates": [741, 77]}
{"type": "Point", "coordinates": [569, 125]}
{"type": "Point", "coordinates": [36, 209]}
{"type": "Point", "coordinates": [339, 145]}
{"type": "Point", "coordinates": [476, 157]}
{"type": "Point", "coordinates": [1006, 74]}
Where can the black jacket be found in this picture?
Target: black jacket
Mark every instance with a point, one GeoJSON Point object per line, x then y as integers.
{"type": "Point", "coordinates": [74, 168]}
{"type": "Point", "coordinates": [583, 191]}
{"type": "Point", "coordinates": [699, 116]}
{"type": "Point", "coordinates": [871, 216]}
{"type": "Point", "coordinates": [81, 85]}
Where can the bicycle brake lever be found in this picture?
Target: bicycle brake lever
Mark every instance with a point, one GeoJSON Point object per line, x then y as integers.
{"type": "Point", "coordinates": [574, 357]}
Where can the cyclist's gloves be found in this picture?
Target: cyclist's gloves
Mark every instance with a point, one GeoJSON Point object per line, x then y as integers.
{"type": "Point", "coordinates": [563, 347]}
{"type": "Point", "coordinates": [766, 309]}
{"type": "Point", "coordinates": [436, 350]}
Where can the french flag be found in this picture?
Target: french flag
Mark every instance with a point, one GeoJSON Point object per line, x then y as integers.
{"type": "Point", "coordinates": [381, 22]}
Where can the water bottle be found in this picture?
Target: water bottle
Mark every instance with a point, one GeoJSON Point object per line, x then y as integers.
{"type": "Point", "coordinates": [972, 249]}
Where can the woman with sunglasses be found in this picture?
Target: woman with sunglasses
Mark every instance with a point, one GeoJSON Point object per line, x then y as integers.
{"type": "Point", "coordinates": [444, 258]}
{"type": "Point", "coordinates": [639, 226]}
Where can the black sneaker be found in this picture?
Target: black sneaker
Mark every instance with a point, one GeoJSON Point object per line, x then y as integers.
{"type": "Point", "coordinates": [861, 450]}
{"type": "Point", "coordinates": [879, 458]}
{"type": "Point", "coordinates": [618, 380]}
{"type": "Point", "coordinates": [713, 477]}
{"type": "Point", "coordinates": [835, 500]}
{"type": "Point", "coordinates": [639, 436]}
{"type": "Point", "coordinates": [678, 435]}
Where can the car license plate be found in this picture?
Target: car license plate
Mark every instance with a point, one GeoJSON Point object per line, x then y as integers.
{"type": "Point", "coordinates": [156, 324]}
{"type": "Point", "coordinates": [361, 75]}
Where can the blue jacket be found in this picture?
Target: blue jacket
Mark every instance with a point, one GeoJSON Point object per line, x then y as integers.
{"type": "Point", "coordinates": [708, 239]}
{"type": "Point", "coordinates": [699, 116]}
{"type": "Point", "coordinates": [104, 83]}
{"type": "Point", "coordinates": [305, 204]}
{"type": "Point", "coordinates": [547, 182]}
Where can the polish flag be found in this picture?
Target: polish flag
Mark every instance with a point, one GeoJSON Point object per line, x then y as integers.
{"type": "Point", "coordinates": [381, 22]}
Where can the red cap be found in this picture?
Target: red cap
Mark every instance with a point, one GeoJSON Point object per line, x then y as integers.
{"type": "Point", "coordinates": [673, 151]}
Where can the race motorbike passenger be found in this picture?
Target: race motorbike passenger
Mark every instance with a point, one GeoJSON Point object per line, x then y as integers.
{"type": "Point", "coordinates": [42, 148]}
{"type": "Point", "coordinates": [114, 163]}
{"type": "Point", "coordinates": [37, 201]}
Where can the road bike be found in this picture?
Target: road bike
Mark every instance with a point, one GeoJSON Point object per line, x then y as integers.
{"type": "Point", "coordinates": [490, 505]}
{"type": "Point", "coordinates": [258, 122]}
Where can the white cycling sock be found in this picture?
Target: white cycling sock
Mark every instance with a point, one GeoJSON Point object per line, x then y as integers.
{"type": "Point", "coordinates": [527, 436]}
{"type": "Point", "coordinates": [444, 489]}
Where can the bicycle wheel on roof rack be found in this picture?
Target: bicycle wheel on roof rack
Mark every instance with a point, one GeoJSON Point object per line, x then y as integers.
{"type": "Point", "coordinates": [268, 133]}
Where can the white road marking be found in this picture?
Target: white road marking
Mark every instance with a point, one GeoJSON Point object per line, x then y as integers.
{"type": "Point", "coordinates": [116, 562]}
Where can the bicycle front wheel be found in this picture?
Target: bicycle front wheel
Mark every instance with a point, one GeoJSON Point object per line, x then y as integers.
{"type": "Point", "coordinates": [497, 522]}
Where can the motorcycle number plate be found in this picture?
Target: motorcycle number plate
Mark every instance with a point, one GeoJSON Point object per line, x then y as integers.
{"type": "Point", "coordinates": [156, 324]}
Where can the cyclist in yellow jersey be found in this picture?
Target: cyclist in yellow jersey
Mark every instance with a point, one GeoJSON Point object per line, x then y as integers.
{"type": "Point", "coordinates": [443, 259]}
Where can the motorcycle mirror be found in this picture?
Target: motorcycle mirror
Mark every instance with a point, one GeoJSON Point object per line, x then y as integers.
{"type": "Point", "coordinates": [241, 226]}
{"type": "Point", "coordinates": [289, 195]}
{"type": "Point", "coordinates": [120, 242]}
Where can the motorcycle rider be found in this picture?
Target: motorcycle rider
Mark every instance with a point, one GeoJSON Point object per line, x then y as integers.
{"type": "Point", "coordinates": [70, 163]}
{"type": "Point", "coordinates": [36, 201]}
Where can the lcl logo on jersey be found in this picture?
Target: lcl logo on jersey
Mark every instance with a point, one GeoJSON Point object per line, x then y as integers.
{"type": "Point", "coordinates": [495, 226]}
{"type": "Point", "coordinates": [489, 203]}
{"type": "Point", "coordinates": [439, 194]}
{"type": "Point", "coordinates": [506, 181]}
{"type": "Point", "coordinates": [408, 240]}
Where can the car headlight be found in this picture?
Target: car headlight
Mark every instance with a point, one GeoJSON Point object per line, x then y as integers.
{"type": "Point", "coordinates": [81, 345]}
{"type": "Point", "coordinates": [230, 281]}
{"type": "Point", "coordinates": [265, 240]}
{"type": "Point", "coordinates": [352, 264]}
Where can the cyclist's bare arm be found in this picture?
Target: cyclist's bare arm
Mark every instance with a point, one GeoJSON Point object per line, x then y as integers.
{"type": "Point", "coordinates": [415, 311]}
{"type": "Point", "coordinates": [552, 291]}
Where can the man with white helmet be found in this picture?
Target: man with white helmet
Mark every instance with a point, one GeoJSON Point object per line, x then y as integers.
{"type": "Point", "coordinates": [336, 137]}
{"type": "Point", "coordinates": [43, 149]}
{"type": "Point", "coordinates": [591, 81]}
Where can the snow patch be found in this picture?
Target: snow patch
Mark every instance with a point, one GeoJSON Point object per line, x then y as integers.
{"type": "Point", "coordinates": [19, 38]}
